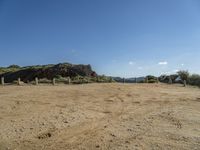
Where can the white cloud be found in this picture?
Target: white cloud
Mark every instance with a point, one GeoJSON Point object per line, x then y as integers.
{"type": "Point", "coordinates": [176, 70]}
{"type": "Point", "coordinates": [131, 63]}
{"type": "Point", "coordinates": [163, 63]}
{"type": "Point", "coordinates": [182, 64]}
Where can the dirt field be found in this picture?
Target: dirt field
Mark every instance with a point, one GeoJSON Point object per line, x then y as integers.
{"type": "Point", "coordinates": [99, 116]}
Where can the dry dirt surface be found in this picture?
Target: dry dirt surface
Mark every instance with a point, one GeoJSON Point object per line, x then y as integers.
{"type": "Point", "coordinates": [99, 117]}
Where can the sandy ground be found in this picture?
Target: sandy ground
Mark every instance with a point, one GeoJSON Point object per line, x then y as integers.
{"type": "Point", "coordinates": [100, 116]}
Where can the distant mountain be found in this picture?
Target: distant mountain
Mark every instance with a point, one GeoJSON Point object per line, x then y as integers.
{"type": "Point", "coordinates": [128, 80]}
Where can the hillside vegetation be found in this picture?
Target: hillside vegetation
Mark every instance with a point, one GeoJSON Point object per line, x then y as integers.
{"type": "Point", "coordinates": [45, 73]}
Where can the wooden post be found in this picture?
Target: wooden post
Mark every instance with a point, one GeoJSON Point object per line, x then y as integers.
{"type": "Point", "coordinates": [69, 80]}
{"type": "Point", "coordinates": [147, 80]}
{"type": "Point", "coordinates": [36, 81]}
{"type": "Point", "coordinates": [110, 79]}
{"type": "Point", "coordinates": [157, 79]}
{"type": "Point", "coordinates": [54, 81]}
{"type": "Point", "coordinates": [78, 78]}
{"type": "Point", "coordinates": [185, 83]}
{"type": "Point", "coordinates": [18, 81]}
{"type": "Point", "coordinates": [124, 80]}
{"type": "Point", "coordinates": [135, 80]}
{"type": "Point", "coordinates": [170, 80]}
{"type": "Point", "coordinates": [2, 80]}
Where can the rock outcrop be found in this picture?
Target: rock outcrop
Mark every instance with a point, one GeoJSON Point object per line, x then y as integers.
{"type": "Point", "coordinates": [48, 71]}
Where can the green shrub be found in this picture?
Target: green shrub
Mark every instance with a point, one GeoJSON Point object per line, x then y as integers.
{"type": "Point", "coordinates": [77, 80]}
{"type": "Point", "coordinates": [152, 81]}
{"type": "Point", "coordinates": [61, 79]}
{"type": "Point", "coordinates": [184, 75]}
{"type": "Point", "coordinates": [58, 77]}
{"type": "Point", "coordinates": [105, 79]}
{"type": "Point", "coordinates": [13, 66]}
{"type": "Point", "coordinates": [44, 80]}
{"type": "Point", "coordinates": [150, 77]}
{"type": "Point", "coordinates": [141, 81]}
{"type": "Point", "coordinates": [194, 80]}
{"type": "Point", "coordinates": [94, 79]}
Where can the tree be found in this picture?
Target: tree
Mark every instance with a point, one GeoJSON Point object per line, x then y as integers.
{"type": "Point", "coordinates": [194, 79]}
{"type": "Point", "coordinates": [13, 66]}
{"type": "Point", "coordinates": [184, 75]}
{"type": "Point", "coordinates": [151, 79]}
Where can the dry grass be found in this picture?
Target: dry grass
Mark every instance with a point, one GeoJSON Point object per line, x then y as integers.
{"type": "Point", "coordinates": [99, 116]}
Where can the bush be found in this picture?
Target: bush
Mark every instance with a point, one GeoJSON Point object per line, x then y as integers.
{"type": "Point", "coordinates": [13, 66]}
{"type": "Point", "coordinates": [152, 81]}
{"type": "Point", "coordinates": [58, 77]}
{"type": "Point", "coordinates": [194, 80]}
{"type": "Point", "coordinates": [79, 80]}
{"type": "Point", "coordinates": [141, 81]}
{"type": "Point", "coordinates": [102, 78]}
{"type": "Point", "coordinates": [150, 77]}
{"type": "Point", "coordinates": [61, 79]}
{"type": "Point", "coordinates": [184, 75]}
{"type": "Point", "coordinates": [43, 80]}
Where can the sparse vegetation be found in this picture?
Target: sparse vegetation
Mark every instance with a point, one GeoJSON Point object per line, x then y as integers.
{"type": "Point", "coordinates": [184, 75]}
{"type": "Point", "coordinates": [58, 71]}
{"type": "Point", "coordinates": [194, 80]}
{"type": "Point", "coordinates": [80, 74]}
{"type": "Point", "coordinates": [44, 80]}
{"type": "Point", "coordinates": [151, 79]}
{"type": "Point", "coordinates": [13, 66]}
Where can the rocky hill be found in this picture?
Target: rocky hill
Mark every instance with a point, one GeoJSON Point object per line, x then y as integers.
{"type": "Point", "coordinates": [29, 73]}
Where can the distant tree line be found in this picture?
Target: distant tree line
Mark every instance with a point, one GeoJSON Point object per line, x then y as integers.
{"type": "Point", "coordinates": [183, 77]}
{"type": "Point", "coordinates": [192, 79]}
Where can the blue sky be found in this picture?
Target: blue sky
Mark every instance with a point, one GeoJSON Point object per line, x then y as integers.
{"type": "Point", "coordinates": [124, 38]}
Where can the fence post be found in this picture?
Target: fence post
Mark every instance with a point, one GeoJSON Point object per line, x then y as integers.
{"type": "Point", "coordinates": [170, 80]}
{"type": "Point", "coordinates": [18, 81]}
{"type": "Point", "coordinates": [78, 78]}
{"type": "Point", "coordinates": [54, 81]}
{"type": "Point", "coordinates": [185, 83]}
{"type": "Point", "coordinates": [124, 80]}
{"type": "Point", "coordinates": [69, 80]}
{"type": "Point", "coordinates": [97, 80]}
{"type": "Point", "coordinates": [157, 79]}
{"type": "Point", "coordinates": [135, 80]}
{"type": "Point", "coordinates": [111, 80]}
{"type": "Point", "coordinates": [36, 81]}
{"type": "Point", "coordinates": [86, 80]}
{"type": "Point", "coordinates": [2, 80]}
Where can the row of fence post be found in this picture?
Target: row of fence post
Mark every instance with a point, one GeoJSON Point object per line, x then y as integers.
{"type": "Point", "coordinates": [36, 81]}
{"type": "Point", "coordinates": [69, 81]}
